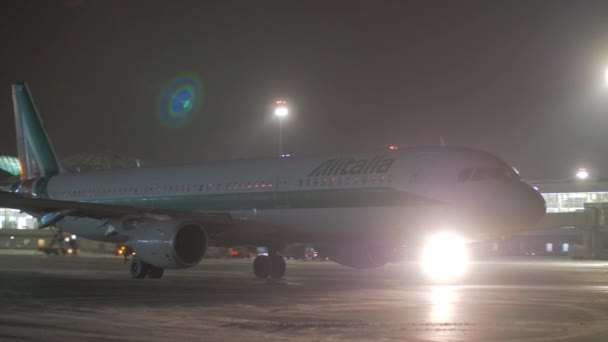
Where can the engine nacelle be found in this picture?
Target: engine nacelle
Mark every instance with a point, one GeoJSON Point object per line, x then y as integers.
{"type": "Point", "coordinates": [169, 243]}
{"type": "Point", "coordinates": [360, 255]}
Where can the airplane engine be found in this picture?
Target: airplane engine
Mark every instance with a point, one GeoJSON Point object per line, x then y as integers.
{"type": "Point", "coordinates": [170, 243]}
{"type": "Point", "coordinates": [360, 255]}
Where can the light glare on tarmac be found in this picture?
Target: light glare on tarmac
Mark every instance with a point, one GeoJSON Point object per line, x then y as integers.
{"type": "Point", "coordinates": [82, 298]}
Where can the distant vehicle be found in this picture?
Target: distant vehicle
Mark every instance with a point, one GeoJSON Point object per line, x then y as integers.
{"type": "Point", "coordinates": [124, 250]}
{"type": "Point", "coordinates": [356, 208]}
{"type": "Point", "coordinates": [242, 252]}
{"type": "Point", "coordinates": [61, 244]}
{"type": "Point", "coordinates": [300, 251]}
{"type": "Point", "coordinates": [261, 251]}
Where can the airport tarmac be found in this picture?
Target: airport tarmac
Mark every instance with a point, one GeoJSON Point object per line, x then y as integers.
{"type": "Point", "coordinates": [60, 298]}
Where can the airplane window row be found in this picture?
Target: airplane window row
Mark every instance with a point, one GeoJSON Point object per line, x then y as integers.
{"type": "Point", "coordinates": [348, 180]}
{"type": "Point", "coordinates": [480, 174]}
{"type": "Point", "coordinates": [168, 189]}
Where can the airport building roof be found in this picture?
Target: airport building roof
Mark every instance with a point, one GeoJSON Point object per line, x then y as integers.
{"type": "Point", "coordinates": [571, 195]}
{"type": "Point", "coordinates": [9, 165]}
{"type": "Point", "coordinates": [98, 161]}
{"type": "Point", "coordinates": [570, 185]}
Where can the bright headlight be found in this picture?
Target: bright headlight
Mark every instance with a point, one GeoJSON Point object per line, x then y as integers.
{"type": "Point", "coordinates": [444, 257]}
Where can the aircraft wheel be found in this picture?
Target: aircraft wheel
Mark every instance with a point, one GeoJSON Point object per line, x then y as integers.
{"type": "Point", "coordinates": [138, 268]}
{"type": "Point", "coordinates": [155, 272]}
{"type": "Point", "coordinates": [278, 266]}
{"type": "Point", "coordinates": [262, 266]}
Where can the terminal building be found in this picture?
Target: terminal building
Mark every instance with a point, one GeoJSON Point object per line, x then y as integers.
{"type": "Point", "coordinates": [10, 218]}
{"type": "Point", "coordinates": [577, 216]}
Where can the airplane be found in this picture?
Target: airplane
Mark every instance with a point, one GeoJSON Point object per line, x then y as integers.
{"type": "Point", "coordinates": [355, 208]}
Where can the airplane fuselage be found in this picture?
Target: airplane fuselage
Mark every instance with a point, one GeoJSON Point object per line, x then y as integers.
{"type": "Point", "coordinates": [393, 194]}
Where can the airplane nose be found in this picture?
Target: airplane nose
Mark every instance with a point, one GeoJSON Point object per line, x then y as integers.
{"type": "Point", "coordinates": [534, 206]}
{"type": "Point", "coordinates": [517, 207]}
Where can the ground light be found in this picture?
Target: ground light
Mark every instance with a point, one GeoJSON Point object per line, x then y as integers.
{"type": "Point", "coordinates": [444, 257]}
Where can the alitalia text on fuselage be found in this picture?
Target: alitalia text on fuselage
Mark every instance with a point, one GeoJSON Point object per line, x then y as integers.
{"type": "Point", "coordinates": [351, 166]}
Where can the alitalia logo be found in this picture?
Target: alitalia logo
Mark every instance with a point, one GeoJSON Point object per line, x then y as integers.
{"type": "Point", "coordinates": [351, 166]}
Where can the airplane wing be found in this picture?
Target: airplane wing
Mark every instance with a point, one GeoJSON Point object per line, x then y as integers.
{"type": "Point", "coordinates": [51, 211]}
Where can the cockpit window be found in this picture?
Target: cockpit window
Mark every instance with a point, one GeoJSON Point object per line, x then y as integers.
{"type": "Point", "coordinates": [487, 173]}
{"type": "Point", "coordinates": [494, 173]}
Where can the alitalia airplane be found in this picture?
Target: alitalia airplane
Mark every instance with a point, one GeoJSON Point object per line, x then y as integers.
{"type": "Point", "coordinates": [356, 208]}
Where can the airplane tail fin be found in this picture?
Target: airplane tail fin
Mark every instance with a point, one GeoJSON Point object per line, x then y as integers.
{"type": "Point", "coordinates": [37, 157]}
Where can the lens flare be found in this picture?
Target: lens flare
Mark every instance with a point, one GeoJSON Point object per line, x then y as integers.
{"type": "Point", "coordinates": [180, 101]}
{"type": "Point", "coordinates": [444, 257]}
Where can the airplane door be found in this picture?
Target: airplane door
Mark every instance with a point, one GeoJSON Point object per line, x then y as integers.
{"type": "Point", "coordinates": [423, 168]}
{"type": "Point", "coordinates": [281, 195]}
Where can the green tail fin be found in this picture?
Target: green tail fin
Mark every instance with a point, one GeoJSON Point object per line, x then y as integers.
{"type": "Point", "coordinates": [36, 154]}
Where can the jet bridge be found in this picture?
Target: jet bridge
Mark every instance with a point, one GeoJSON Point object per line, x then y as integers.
{"type": "Point", "coordinates": [577, 212]}
{"type": "Point", "coordinates": [589, 227]}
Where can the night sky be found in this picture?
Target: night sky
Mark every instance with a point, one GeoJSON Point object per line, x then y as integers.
{"type": "Point", "coordinates": [522, 79]}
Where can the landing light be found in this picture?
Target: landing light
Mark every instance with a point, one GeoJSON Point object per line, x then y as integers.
{"type": "Point", "coordinates": [582, 173]}
{"type": "Point", "coordinates": [444, 257]}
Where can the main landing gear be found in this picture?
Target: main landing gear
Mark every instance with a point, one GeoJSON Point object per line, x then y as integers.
{"type": "Point", "coordinates": [140, 270]}
{"type": "Point", "coordinates": [269, 266]}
